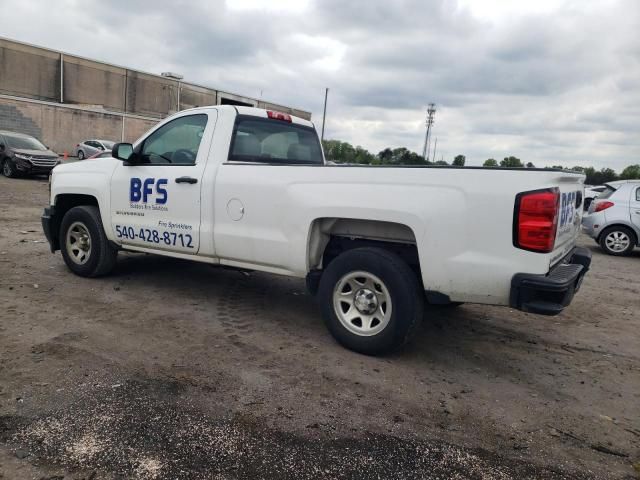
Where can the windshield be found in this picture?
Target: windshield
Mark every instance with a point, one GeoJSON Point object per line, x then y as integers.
{"type": "Point", "coordinates": [274, 141]}
{"type": "Point", "coordinates": [108, 145]}
{"type": "Point", "coordinates": [23, 143]}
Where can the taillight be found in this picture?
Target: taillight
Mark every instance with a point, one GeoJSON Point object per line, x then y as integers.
{"type": "Point", "coordinates": [603, 205]}
{"type": "Point", "coordinates": [536, 220]}
{"type": "Point", "coordinates": [285, 117]}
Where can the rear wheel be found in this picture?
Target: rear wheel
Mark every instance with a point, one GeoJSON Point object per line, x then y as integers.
{"type": "Point", "coordinates": [83, 243]}
{"type": "Point", "coordinates": [80, 155]}
{"type": "Point", "coordinates": [371, 300]}
{"type": "Point", "coordinates": [618, 241]}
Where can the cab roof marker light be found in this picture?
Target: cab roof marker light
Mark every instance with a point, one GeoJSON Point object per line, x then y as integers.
{"type": "Point", "coordinates": [285, 117]}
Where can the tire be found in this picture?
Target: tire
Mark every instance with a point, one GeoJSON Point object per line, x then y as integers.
{"type": "Point", "coordinates": [618, 241]}
{"type": "Point", "coordinates": [80, 155]}
{"type": "Point", "coordinates": [381, 303]}
{"type": "Point", "coordinates": [79, 225]}
{"type": "Point", "coordinates": [9, 170]}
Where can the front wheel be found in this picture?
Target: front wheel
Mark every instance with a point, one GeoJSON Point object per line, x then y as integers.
{"type": "Point", "coordinates": [618, 241]}
{"type": "Point", "coordinates": [83, 243]}
{"type": "Point", "coordinates": [9, 170]}
{"type": "Point", "coordinates": [371, 300]}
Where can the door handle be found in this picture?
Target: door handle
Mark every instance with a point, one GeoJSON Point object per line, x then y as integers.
{"type": "Point", "coordinates": [186, 180]}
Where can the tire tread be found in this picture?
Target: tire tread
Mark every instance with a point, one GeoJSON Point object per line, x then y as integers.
{"type": "Point", "coordinates": [409, 278]}
{"type": "Point", "coordinates": [107, 255]}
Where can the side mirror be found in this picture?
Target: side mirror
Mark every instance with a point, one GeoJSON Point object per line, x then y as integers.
{"type": "Point", "coordinates": [122, 151]}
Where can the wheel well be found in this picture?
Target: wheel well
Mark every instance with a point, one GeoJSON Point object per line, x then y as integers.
{"type": "Point", "coordinates": [63, 204]}
{"type": "Point", "coordinates": [329, 237]}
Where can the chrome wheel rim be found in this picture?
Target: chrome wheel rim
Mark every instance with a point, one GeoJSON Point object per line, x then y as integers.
{"type": "Point", "coordinates": [362, 303]}
{"type": "Point", "coordinates": [78, 243]}
{"type": "Point", "coordinates": [6, 168]}
{"type": "Point", "coordinates": [617, 241]}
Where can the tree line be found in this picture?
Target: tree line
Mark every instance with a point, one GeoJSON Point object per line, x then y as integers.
{"type": "Point", "coordinates": [594, 177]}
{"type": "Point", "coordinates": [343, 152]}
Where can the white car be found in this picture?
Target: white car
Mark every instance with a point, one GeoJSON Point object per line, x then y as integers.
{"type": "Point", "coordinates": [614, 217]}
{"type": "Point", "coordinates": [591, 192]}
{"type": "Point", "coordinates": [88, 148]}
{"type": "Point", "coordinates": [249, 188]}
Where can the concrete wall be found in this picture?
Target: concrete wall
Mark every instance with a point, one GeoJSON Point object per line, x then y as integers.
{"type": "Point", "coordinates": [95, 97]}
{"type": "Point", "coordinates": [134, 128]}
{"type": "Point", "coordinates": [61, 128]}
{"type": "Point", "coordinates": [151, 95]}
{"type": "Point", "coordinates": [192, 96]}
{"type": "Point", "coordinates": [35, 72]}
{"type": "Point", "coordinates": [29, 71]}
{"type": "Point", "coordinates": [92, 83]}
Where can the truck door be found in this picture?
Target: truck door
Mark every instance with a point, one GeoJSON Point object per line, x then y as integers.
{"type": "Point", "coordinates": [155, 202]}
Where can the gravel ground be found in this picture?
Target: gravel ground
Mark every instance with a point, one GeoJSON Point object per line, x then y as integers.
{"type": "Point", "coordinates": [170, 369]}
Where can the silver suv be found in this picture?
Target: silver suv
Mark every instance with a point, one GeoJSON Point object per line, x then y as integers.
{"type": "Point", "coordinates": [614, 217]}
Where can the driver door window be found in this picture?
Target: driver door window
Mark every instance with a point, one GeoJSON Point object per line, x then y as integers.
{"type": "Point", "coordinates": [175, 143]}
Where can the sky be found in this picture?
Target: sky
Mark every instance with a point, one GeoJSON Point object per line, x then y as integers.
{"type": "Point", "coordinates": [553, 82]}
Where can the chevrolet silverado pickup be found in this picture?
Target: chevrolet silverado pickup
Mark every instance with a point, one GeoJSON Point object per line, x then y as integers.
{"type": "Point", "coordinates": [250, 188]}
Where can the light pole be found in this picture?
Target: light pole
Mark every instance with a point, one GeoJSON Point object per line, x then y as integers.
{"type": "Point", "coordinates": [324, 114]}
{"type": "Point", "coordinates": [179, 78]}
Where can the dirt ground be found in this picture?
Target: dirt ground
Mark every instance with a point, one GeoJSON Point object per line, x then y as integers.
{"type": "Point", "coordinates": [170, 369]}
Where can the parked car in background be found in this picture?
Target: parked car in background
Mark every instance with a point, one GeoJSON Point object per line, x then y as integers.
{"type": "Point", "coordinates": [591, 192]}
{"type": "Point", "coordinates": [614, 217]}
{"type": "Point", "coordinates": [89, 148]}
{"type": "Point", "coordinates": [22, 154]}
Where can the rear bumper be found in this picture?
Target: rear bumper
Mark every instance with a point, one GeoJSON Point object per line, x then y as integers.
{"type": "Point", "coordinates": [592, 224]}
{"type": "Point", "coordinates": [50, 227]}
{"type": "Point", "coordinates": [550, 294]}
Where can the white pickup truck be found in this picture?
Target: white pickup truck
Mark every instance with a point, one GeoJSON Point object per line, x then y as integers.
{"type": "Point", "coordinates": [250, 188]}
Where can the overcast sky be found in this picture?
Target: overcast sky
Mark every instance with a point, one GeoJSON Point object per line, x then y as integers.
{"type": "Point", "coordinates": [549, 81]}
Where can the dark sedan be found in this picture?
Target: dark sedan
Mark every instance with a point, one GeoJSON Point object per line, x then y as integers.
{"type": "Point", "coordinates": [22, 154]}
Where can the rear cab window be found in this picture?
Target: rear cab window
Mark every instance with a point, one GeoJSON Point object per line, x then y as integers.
{"type": "Point", "coordinates": [271, 141]}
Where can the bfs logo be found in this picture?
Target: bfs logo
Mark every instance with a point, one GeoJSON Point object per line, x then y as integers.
{"type": "Point", "coordinates": [141, 190]}
{"type": "Point", "coordinates": [567, 208]}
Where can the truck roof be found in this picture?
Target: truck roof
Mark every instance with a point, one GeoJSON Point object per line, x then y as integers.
{"type": "Point", "coordinates": [261, 112]}
{"type": "Point", "coordinates": [256, 112]}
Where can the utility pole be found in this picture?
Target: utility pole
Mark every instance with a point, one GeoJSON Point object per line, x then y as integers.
{"type": "Point", "coordinates": [435, 147]}
{"type": "Point", "coordinates": [324, 114]}
{"type": "Point", "coordinates": [431, 110]}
